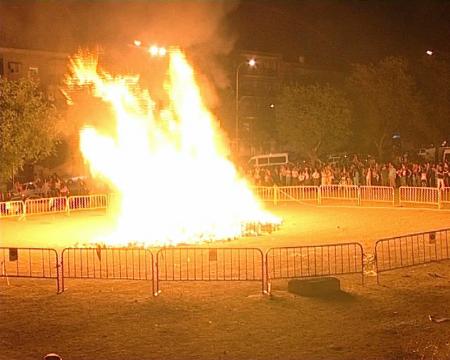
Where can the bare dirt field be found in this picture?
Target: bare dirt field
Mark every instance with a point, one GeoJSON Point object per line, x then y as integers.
{"type": "Point", "coordinates": [111, 320]}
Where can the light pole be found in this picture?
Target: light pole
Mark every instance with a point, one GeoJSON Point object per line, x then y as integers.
{"type": "Point", "coordinates": [250, 63]}
{"type": "Point", "coordinates": [153, 50]}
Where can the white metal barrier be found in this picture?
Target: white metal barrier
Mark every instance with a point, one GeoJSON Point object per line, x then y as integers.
{"type": "Point", "coordinates": [339, 192]}
{"type": "Point", "coordinates": [419, 195]}
{"type": "Point", "coordinates": [88, 202]}
{"type": "Point", "coordinates": [377, 194]}
{"type": "Point", "coordinates": [12, 209]}
{"type": "Point", "coordinates": [265, 193]}
{"type": "Point", "coordinates": [298, 193]}
{"type": "Point", "coordinates": [411, 195]}
{"type": "Point", "coordinates": [46, 205]}
{"type": "Point", "coordinates": [445, 197]}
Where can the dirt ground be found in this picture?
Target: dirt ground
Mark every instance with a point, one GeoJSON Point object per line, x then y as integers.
{"type": "Point", "coordinates": [110, 320]}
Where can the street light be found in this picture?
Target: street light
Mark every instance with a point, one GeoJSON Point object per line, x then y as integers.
{"type": "Point", "coordinates": [251, 63]}
{"type": "Point", "coordinates": [156, 51]}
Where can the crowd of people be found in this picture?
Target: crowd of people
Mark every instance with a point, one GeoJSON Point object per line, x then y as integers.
{"type": "Point", "coordinates": [370, 173]}
{"type": "Point", "coordinates": [52, 186]}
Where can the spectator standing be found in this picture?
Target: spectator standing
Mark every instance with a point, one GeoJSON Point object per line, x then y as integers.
{"type": "Point", "coordinates": [301, 178]}
{"type": "Point", "coordinates": [283, 176]}
{"type": "Point", "coordinates": [288, 176]}
{"type": "Point", "coordinates": [403, 172]}
{"type": "Point", "coordinates": [45, 189]}
{"type": "Point", "coordinates": [356, 175]}
{"type": "Point", "coordinates": [315, 178]}
{"type": "Point", "coordinates": [423, 177]}
{"type": "Point", "coordinates": [415, 178]}
{"type": "Point", "coordinates": [392, 175]}
{"type": "Point", "coordinates": [276, 176]}
{"type": "Point", "coordinates": [432, 176]}
{"type": "Point", "coordinates": [307, 177]}
{"type": "Point", "coordinates": [440, 177]}
{"type": "Point", "coordinates": [369, 177]}
{"type": "Point", "coordinates": [384, 176]}
{"type": "Point", "coordinates": [446, 175]}
{"type": "Point", "coordinates": [294, 174]}
{"type": "Point", "coordinates": [64, 191]}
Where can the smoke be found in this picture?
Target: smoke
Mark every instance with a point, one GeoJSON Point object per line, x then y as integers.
{"type": "Point", "coordinates": [199, 27]}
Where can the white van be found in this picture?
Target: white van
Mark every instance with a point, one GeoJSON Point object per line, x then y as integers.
{"type": "Point", "coordinates": [446, 155]}
{"type": "Point", "coordinates": [269, 160]}
{"type": "Point", "coordinates": [427, 154]}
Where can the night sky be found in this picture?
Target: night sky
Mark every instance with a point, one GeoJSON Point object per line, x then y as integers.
{"type": "Point", "coordinates": [324, 32]}
{"type": "Point", "coordinates": [342, 32]}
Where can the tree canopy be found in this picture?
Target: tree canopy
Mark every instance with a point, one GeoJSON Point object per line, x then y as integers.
{"type": "Point", "coordinates": [387, 102]}
{"type": "Point", "coordinates": [313, 119]}
{"type": "Point", "coordinates": [433, 81]}
{"type": "Point", "coordinates": [29, 125]}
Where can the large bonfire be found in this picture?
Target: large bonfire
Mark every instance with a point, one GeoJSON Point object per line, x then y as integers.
{"type": "Point", "coordinates": [174, 182]}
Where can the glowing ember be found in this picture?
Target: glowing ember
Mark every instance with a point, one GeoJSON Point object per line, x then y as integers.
{"type": "Point", "coordinates": [169, 167]}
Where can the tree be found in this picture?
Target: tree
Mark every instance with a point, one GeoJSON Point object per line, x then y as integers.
{"type": "Point", "coordinates": [386, 101]}
{"type": "Point", "coordinates": [313, 119]}
{"type": "Point", "coordinates": [433, 80]}
{"type": "Point", "coordinates": [29, 125]}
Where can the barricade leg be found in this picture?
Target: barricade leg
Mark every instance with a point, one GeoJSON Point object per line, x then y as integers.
{"type": "Point", "coordinates": [23, 217]}
{"type": "Point", "coordinates": [62, 276]}
{"type": "Point", "coordinates": [376, 270]}
{"type": "Point", "coordinates": [156, 290]}
{"type": "Point", "coordinates": [58, 289]}
{"type": "Point", "coordinates": [266, 275]}
{"type": "Point", "coordinates": [263, 283]}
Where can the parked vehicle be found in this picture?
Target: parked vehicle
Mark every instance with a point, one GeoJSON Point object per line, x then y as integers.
{"type": "Point", "coordinates": [269, 160]}
{"type": "Point", "coordinates": [427, 154]}
{"type": "Point", "coordinates": [29, 190]}
{"type": "Point", "coordinates": [433, 154]}
{"type": "Point", "coordinates": [446, 155]}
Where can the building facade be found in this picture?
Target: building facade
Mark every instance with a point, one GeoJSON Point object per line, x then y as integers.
{"type": "Point", "coordinates": [49, 67]}
{"type": "Point", "coordinates": [258, 89]}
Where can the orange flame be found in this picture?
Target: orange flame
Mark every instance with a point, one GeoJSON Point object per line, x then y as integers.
{"type": "Point", "coordinates": [169, 166]}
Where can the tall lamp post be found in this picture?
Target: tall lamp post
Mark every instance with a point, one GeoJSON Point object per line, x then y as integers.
{"type": "Point", "coordinates": [250, 63]}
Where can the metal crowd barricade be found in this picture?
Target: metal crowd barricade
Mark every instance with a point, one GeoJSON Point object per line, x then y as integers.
{"type": "Point", "coordinates": [445, 197]}
{"type": "Point", "coordinates": [106, 264]}
{"type": "Point", "coordinates": [46, 205]}
{"type": "Point", "coordinates": [266, 193]}
{"type": "Point", "coordinates": [12, 209]}
{"type": "Point", "coordinates": [35, 263]}
{"type": "Point", "coordinates": [298, 193]}
{"type": "Point", "coordinates": [184, 264]}
{"type": "Point", "coordinates": [314, 261]}
{"type": "Point", "coordinates": [410, 250]}
{"type": "Point", "coordinates": [419, 195]}
{"type": "Point", "coordinates": [113, 198]}
{"type": "Point", "coordinates": [88, 202]}
{"type": "Point", "coordinates": [377, 194]}
{"type": "Point", "coordinates": [339, 192]}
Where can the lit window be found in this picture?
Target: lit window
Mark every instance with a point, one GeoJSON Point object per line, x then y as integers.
{"type": "Point", "coordinates": [14, 67]}
{"type": "Point", "coordinates": [33, 71]}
